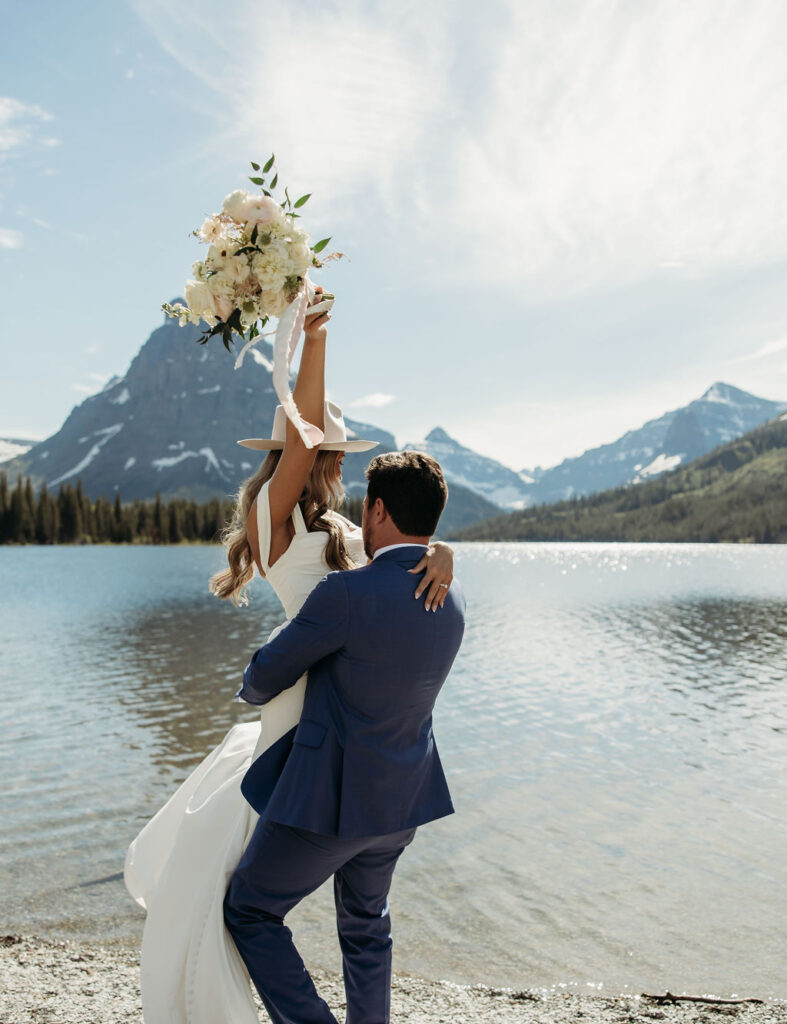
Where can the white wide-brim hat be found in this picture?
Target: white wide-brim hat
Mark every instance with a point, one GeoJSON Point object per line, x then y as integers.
{"type": "Point", "coordinates": [335, 434]}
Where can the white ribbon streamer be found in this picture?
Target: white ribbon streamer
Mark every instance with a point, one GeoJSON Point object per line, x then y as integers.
{"type": "Point", "coordinates": [285, 342]}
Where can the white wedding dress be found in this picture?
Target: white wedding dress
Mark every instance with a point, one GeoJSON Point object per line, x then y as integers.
{"type": "Point", "coordinates": [179, 866]}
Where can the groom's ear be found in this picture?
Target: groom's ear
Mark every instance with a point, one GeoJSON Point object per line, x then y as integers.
{"type": "Point", "coordinates": [378, 511]}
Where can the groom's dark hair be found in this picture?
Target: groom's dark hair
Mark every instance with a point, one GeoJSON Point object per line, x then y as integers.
{"type": "Point", "coordinates": [412, 488]}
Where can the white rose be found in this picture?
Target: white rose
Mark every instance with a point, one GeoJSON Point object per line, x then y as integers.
{"type": "Point", "coordinates": [300, 259]}
{"type": "Point", "coordinates": [234, 203]}
{"type": "Point", "coordinates": [199, 297]}
{"type": "Point", "coordinates": [261, 210]}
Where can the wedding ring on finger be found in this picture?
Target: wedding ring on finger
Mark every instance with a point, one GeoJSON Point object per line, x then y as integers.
{"type": "Point", "coordinates": [443, 585]}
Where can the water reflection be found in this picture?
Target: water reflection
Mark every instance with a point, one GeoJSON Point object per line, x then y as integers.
{"type": "Point", "coordinates": [613, 731]}
{"type": "Point", "coordinates": [179, 671]}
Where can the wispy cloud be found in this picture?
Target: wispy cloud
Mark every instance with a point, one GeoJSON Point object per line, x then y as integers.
{"type": "Point", "coordinates": [18, 122]}
{"type": "Point", "coordinates": [547, 148]}
{"type": "Point", "coordinates": [84, 388]}
{"type": "Point", "coordinates": [10, 239]}
{"type": "Point", "coordinates": [767, 349]}
{"type": "Point", "coordinates": [344, 93]}
{"type": "Point", "coordinates": [377, 400]}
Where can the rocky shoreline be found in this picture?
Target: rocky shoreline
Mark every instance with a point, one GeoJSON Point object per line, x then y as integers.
{"type": "Point", "coordinates": [49, 982]}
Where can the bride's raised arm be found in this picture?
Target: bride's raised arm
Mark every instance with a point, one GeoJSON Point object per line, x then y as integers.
{"type": "Point", "coordinates": [295, 465]}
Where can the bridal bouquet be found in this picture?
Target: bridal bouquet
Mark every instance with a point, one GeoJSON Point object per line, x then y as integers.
{"type": "Point", "coordinates": [257, 267]}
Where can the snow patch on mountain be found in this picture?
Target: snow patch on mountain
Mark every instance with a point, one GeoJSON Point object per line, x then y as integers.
{"type": "Point", "coordinates": [109, 433]}
{"type": "Point", "coordinates": [660, 464]}
{"type": "Point", "coordinates": [122, 398]}
{"type": "Point", "coordinates": [209, 391]}
{"type": "Point", "coordinates": [211, 462]}
{"type": "Point", "coordinates": [129, 462]}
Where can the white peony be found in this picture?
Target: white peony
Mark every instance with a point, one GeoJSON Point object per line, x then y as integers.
{"type": "Point", "coordinates": [199, 297]}
{"type": "Point", "coordinates": [234, 204]}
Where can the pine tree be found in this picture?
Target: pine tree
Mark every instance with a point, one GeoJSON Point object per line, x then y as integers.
{"type": "Point", "coordinates": [174, 534]}
{"type": "Point", "coordinates": [45, 517]}
{"type": "Point", "coordinates": [5, 509]}
{"type": "Point", "coordinates": [70, 515]}
{"type": "Point", "coordinates": [16, 513]}
{"type": "Point", "coordinates": [144, 522]}
{"type": "Point", "coordinates": [159, 528]}
{"type": "Point", "coordinates": [29, 515]}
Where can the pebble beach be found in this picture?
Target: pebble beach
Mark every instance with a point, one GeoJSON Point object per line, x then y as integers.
{"type": "Point", "coordinates": [50, 982]}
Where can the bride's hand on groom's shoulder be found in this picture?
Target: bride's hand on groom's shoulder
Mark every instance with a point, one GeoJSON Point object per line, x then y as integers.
{"type": "Point", "coordinates": [437, 565]}
{"type": "Point", "coordinates": [315, 327]}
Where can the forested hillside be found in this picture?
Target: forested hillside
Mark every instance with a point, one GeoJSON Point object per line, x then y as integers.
{"type": "Point", "coordinates": [737, 492]}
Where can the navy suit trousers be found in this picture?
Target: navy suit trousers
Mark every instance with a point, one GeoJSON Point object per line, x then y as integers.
{"type": "Point", "coordinates": [282, 865]}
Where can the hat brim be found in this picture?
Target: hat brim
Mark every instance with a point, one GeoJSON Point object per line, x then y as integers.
{"type": "Point", "coordinates": [263, 444]}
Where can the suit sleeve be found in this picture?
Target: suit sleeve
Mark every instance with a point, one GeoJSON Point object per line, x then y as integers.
{"type": "Point", "coordinates": [319, 629]}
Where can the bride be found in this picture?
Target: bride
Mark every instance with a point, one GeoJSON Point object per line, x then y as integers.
{"type": "Point", "coordinates": [179, 866]}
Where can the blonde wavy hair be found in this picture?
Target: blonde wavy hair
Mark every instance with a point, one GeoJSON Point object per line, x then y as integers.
{"type": "Point", "coordinates": [323, 490]}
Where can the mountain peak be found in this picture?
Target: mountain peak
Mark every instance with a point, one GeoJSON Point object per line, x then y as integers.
{"type": "Point", "coordinates": [439, 436]}
{"type": "Point", "coordinates": [721, 392]}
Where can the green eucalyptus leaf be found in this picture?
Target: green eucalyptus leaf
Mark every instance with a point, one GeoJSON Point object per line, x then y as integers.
{"type": "Point", "coordinates": [257, 181]}
{"type": "Point", "coordinates": [269, 164]}
{"type": "Point", "coordinates": [321, 244]}
{"type": "Point", "coordinates": [274, 179]}
{"type": "Point", "coordinates": [302, 200]}
{"type": "Point", "coordinates": [255, 166]}
{"type": "Point", "coordinates": [253, 234]}
{"type": "Point", "coordinates": [287, 195]}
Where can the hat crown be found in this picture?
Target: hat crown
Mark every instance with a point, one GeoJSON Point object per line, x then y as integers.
{"type": "Point", "coordinates": [335, 433]}
{"type": "Point", "coordinates": [335, 428]}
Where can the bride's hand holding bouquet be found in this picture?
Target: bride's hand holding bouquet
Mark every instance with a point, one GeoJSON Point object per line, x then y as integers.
{"type": "Point", "coordinates": [257, 268]}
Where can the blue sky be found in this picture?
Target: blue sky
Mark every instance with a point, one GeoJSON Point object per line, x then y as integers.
{"type": "Point", "coordinates": [562, 219]}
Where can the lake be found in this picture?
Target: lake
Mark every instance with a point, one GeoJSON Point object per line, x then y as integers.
{"type": "Point", "coordinates": [614, 733]}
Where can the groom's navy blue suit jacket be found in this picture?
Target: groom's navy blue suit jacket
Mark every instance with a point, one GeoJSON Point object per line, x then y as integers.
{"type": "Point", "coordinates": [363, 760]}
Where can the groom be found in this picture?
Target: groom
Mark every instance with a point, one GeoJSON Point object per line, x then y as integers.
{"type": "Point", "coordinates": [363, 772]}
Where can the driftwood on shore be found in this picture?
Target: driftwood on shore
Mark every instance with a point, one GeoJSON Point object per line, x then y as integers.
{"type": "Point", "coordinates": [668, 997]}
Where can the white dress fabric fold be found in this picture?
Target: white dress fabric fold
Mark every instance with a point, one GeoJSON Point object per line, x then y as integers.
{"type": "Point", "coordinates": [179, 866]}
